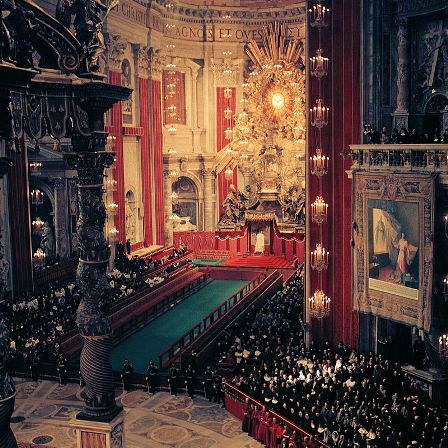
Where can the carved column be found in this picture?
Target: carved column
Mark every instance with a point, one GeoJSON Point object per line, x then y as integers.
{"type": "Point", "coordinates": [61, 217]}
{"type": "Point", "coordinates": [401, 113]}
{"type": "Point", "coordinates": [94, 253]}
{"type": "Point", "coordinates": [100, 413]}
{"type": "Point", "coordinates": [209, 199]}
{"type": "Point", "coordinates": [168, 202]}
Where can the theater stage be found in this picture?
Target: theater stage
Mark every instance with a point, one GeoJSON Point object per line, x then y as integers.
{"type": "Point", "coordinates": [259, 261]}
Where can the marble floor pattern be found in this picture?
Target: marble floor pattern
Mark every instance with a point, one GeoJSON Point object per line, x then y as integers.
{"type": "Point", "coordinates": [44, 409]}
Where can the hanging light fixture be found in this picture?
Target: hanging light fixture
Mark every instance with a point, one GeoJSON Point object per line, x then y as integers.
{"type": "Point", "coordinates": [39, 256]}
{"type": "Point", "coordinates": [228, 173]}
{"type": "Point", "coordinates": [319, 258]}
{"type": "Point", "coordinates": [319, 305]}
{"type": "Point", "coordinates": [35, 167]}
{"type": "Point", "coordinates": [228, 93]}
{"type": "Point", "coordinates": [228, 134]}
{"type": "Point", "coordinates": [319, 114]}
{"type": "Point", "coordinates": [228, 150]}
{"type": "Point", "coordinates": [319, 164]}
{"type": "Point", "coordinates": [173, 173]}
{"type": "Point", "coordinates": [112, 207]}
{"type": "Point", "coordinates": [228, 113]}
{"type": "Point", "coordinates": [37, 197]}
{"type": "Point", "coordinates": [171, 88]}
{"type": "Point", "coordinates": [172, 130]}
{"type": "Point", "coordinates": [174, 217]}
{"type": "Point", "coordinates": [319, 65]}
{"type": "Point", "coordinates": [319, 16]}
{"type": "Point", "coordinates": [443, 345]}
{"type": "Point", "coordinates": [37, 224]}
{"type": "Point", "coordinates": [172, 151]}
{"type": "Point", "coordinates": [174, 196]}
{"type": "Point", "coordinates": [111, 184]}
{"type": "Point", "coordinates": [319, 209]}
{"type": "Point", "coordinates": [113, 232]}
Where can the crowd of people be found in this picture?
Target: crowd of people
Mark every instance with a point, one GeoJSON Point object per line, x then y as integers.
{"type": "Point", "coordinates": [339, 396]}
{"type": "Point", "coordinates": [403, 136]}
{"type": "Point", "coordinates": [36, 320]}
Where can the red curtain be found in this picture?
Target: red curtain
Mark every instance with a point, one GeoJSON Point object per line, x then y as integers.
{"type": "Point", "coordinates": [341, 93]}
{"type": "Point", "coordinates": [117, 126]}
{"type": "Point", "coordinates": [157, 147]}
{"type": "Point", "coordinates": [221, 125]}
{"type": "Point", "coordinates": [143, 91]}
{"type": "Point", "coordinates": [177, 100]}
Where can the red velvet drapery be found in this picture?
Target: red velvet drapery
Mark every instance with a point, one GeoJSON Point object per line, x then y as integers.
{"type": "Point", "coordinates": [143, 92]}
{"type": "Point", "coordinates": [157, 147]}
{"type": "Point", "coordinates": [341, 92]}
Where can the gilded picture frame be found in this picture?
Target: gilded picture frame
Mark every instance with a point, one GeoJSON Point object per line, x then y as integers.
{"type": "Point", "coordinates": [393, 221]}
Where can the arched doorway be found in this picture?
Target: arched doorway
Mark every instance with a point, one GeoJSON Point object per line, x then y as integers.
{"type": "Point", "coordinates": [187, 201]}
{"type": "Point", "coordinates": [434, 114]}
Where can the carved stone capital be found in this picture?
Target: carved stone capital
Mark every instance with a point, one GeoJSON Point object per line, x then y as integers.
{"type": "Point", "coordinates": [208, 172]}
{"type": "Point", "coordinates": [115, 51]}
{"type": "Point", "coordinates": [155, 62]}
{"type": "Point", "coordinates": [143, 58]}
{"type": "Point", "coordinates": [90, 166]}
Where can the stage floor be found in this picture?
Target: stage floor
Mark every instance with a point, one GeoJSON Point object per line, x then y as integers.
{"type": "Point", "coordinates": [259, 261]}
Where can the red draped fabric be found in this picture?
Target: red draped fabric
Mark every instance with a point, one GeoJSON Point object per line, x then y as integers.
{"type": "Point", "coordinates": [157, 147]}
{"type": "Point", "coordinates": [221, 125]}
{"type": "Point", "coordinates": [346, 131]}
{"type": "Point", "coordinates": [177, 100]}
{"type": "Point", "coordinates": [143, 92]}
{"type": "Point", "coordinates": [117, 127]}
{"type": "Point", "coordinates": [341, 93]}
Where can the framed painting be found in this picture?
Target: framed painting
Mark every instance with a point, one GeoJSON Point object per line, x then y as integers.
{"type": "Point", "coordinates": [392, 235]}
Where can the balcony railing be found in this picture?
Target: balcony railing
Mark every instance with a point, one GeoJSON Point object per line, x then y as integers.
{"type": "Point", "coordinates": [400, 157]}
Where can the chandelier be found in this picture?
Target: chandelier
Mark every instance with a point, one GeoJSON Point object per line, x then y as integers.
{"type": "Point", "coordinates": [319, 164]}
{"type": "Point", "coordinates": [111, 184]}
{"type": "Point", "coordinates": [319, 305]}
{"type": "Point", "coordinates": [35, 167]}
{"type": "Point", "coordinates": [319, 258]}
{"type": "Point", "coordinates": [112, 207]}
{"type": "Point", "coordinates": [319, 209]}
{"type": "Point", "coordinates": [228, 134]}
{"type": "Point", "coordinates": [172, 130]}
{"type": "Point", "coordinates": [174, 217]}
{"type": "Point", "coordinates": [228, 173]}
{"type": "Point", "coordinates": [443, 346]}
{"type": "Point", "coordinates": [319, 114]}
{"type": "Point", "coordinates": [37, 197]}
{"type": "Point", "coordinates": [113, 232]}
{"type": "Point", "coordinates": [319, 16]}
{"type": "Point", "coordinates": [228, 113]}
{"type": "Point", "coordinates": [319, 65]}
{"type": "Point", "coordinates": [39, 256]}
{"type": "Point", "coordinates": [173, 173]}
{"type": "Point", "coordinates": [37, 224]}
{"type": "Point", "coordinates": [228, 93]}
{"type": "Point", "coordinates": [174, 196]}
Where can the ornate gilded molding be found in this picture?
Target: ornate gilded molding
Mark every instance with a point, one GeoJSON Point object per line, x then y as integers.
{"type": "Point", "coordinates": [386, 293]}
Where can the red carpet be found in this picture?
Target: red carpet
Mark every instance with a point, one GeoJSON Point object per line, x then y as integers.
{"type": "Point", "coordinates": [258, 261]}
